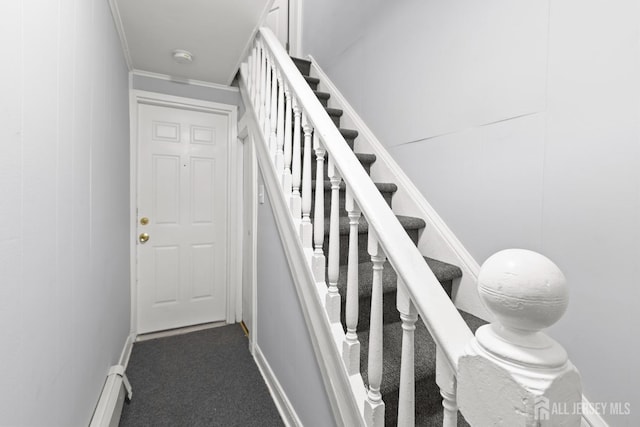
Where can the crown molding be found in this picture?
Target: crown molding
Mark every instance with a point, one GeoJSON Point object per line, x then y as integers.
{"type": "Point", "coordinates": [115, 12]}
{"type": "Point", "coordinates": [183, 80]}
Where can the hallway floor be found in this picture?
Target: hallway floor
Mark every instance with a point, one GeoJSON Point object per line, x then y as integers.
{"type": "Point", "coordinates": [204, 378]}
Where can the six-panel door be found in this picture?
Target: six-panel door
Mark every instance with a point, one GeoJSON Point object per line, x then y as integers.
{"type": "Point", "coordinates": [182, 190]}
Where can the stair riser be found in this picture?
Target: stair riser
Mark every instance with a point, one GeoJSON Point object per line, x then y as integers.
{"type": "Point", "coordinates": [342, 201]}
{"type": "Point", "coordinates": [312, 85]}
{"type": "Point", "coordinates": [428, 401]}
{"type": "Point", "coordinates": [325, 174]}
{"type": "Point", "coordinates": [303, 65]}
{"type": "Point", "coordinates": [334, 119]}
{"type": "Point", "coordinates": [390, 313]}
{"type": "Point", "coordinates": [363, 255]}
{"type": "Point", "coordinates": [425, 383]}
{"type": "Point", "coordinates": [350, 142]}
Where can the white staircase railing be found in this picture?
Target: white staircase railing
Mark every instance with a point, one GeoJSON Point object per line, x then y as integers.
{"type": "Point", "coordinates": [524, 290]}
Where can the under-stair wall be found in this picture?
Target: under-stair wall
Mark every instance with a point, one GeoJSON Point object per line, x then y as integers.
{"type": "Point", "coordinates": [519, 124]}
{"type": "Point", "coordinates": [284, 351]}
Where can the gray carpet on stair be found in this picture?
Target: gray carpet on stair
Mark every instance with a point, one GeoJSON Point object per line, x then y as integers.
{"type": "Point", "coordinates": [407, 222]}
{"type": "Point", "coordinates": [427, 394]}
{"type": "Point", "coordinates": [205, 378]}
{"type": "Point", "coordinates": [444, 272]}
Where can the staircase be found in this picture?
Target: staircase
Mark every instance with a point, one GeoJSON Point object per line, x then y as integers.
{"type": "Point", "coordinates": [429, 409]}
{"type": "Point", "coordinates": [387, 337]}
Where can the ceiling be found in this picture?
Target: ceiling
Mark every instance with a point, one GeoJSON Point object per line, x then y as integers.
{"type": "Point", "coordinates": [216, 32]}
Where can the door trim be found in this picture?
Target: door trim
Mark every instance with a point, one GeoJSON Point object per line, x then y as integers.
{"type": "Point", "coordinates": [234, 233]}
{"type": "Point", "coordinates": [295, 28]}
{"type": "Point", "coordinates": [244, 137]}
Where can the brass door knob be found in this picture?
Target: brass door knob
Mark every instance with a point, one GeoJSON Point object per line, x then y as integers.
{"type": "Point", "coordinates": [143, 237]}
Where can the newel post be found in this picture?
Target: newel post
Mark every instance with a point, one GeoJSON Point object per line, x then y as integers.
{"type": "Point", "coordinates": [513, 373]}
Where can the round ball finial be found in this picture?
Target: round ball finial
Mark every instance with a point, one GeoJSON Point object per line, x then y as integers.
{"type": "Point", "coordinates": [523, 289]}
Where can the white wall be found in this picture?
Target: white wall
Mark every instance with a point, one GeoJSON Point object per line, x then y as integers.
{"type": "Point", "coordinates": [282, 334]}
{"type": "Point", "coordinates": [519, 123]}
{"type": "Point", "coordinates": [64, 184]}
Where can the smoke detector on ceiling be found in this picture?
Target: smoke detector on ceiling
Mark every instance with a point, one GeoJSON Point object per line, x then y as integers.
{"type": "Point", "coordinates": [182, 56]}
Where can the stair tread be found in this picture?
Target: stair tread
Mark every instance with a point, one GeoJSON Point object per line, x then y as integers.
{"type": "Point", "coordinates": [425, 353]}
{"type": "Point", "coordinates": [349, 133]}
{"type": "Point", "coordinates": [383, 187]}
{"type": "Point", "coordinates": [365, 158]}
{"type": "Point", "coordinates": [312, 80]}
{"type": "Point", "coordinates": [334, 112]}
{"type": "Point", "coordinates": [300, 60]}
{"type": "Point", "coordinates": [407, 222]}
{"type": "Point", "coordinates": [443, 271]}
{"type": "Point", "coordinates": [304, 65]}
{"type": "Point", "coordinates": [322, 95]}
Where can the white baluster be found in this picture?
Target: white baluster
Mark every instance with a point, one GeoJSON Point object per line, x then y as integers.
{"type": "Point", "coordinates": [256, 70]}
{"type": "Point", "coordinates": [273, 138]}
{"type": "Point", "coordinates": [333, 295]}
{"type": "Point", "coordinates": [351, 347]}
{"type": "Point", "coordinates": [446, 380]}
{"type": "Point", "coordinates": [252, 69]}
{"type": "Point", "coordinates": [288, 128]}
{"type": "Point", "coordinates": [523, 372]}
{"type": "Point", "coordinates": [256, 76]}
{"type": "Point", "coordinates": [265, 91]}
{"type": "Point", "coordinates": [249, 70]}
{"type": "Point", "coordinates": [318, 260]}
{"type": "Point", "coordinates": [296, 169]}
{"type": "Point", "coordinates": [374, 406]}
{"type": "Point", "coordinates": [406, 398]}
{"type": "Point", "coordinates": [280, 129]}
{"type": "Point", "coordinates": [306, 229]}
{"type": "Point", "coordinates": [260, 86]}
{"type": "Point", "coordinates": [266, 126]}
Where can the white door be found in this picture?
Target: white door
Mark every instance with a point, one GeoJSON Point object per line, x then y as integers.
{"type": "Point", "coordinates": [278, 21]}
{"type": "Point", "coordinates": [182, 201]}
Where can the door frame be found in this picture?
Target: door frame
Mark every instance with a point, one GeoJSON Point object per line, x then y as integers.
{"type": "Point", "coordinates": [250, 188]}
{"type": "Point", "coordinates": [295, 27]}
{"type": "Point", "coordinates": [233, 226]}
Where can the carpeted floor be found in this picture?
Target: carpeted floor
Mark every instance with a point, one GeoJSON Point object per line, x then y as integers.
{"type": "Point", "coordinates": [205, 378]}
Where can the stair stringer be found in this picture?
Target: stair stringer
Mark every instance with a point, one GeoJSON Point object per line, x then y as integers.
{"type": "Point", "coordinates": [346, 393]}
{"type": "Point", "coordinates": [436, 240]}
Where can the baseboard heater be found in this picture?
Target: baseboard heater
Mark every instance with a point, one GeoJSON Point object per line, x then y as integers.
{"type": "Point", "coordinates": [116, 389]}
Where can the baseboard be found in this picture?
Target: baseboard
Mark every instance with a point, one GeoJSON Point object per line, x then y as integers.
{"type": "Point", "coordinates": [286, 410]}
{"type": "Point", "coordinates": [179, 331]}
{"type": "Point", "coordinates": [125, 355]}
{"type": "Point", "coordinates": [109, 406]}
